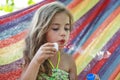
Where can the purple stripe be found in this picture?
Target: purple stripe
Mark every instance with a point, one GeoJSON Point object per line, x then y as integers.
{"type": "Point", "coordinates": [93, 26]}
{"type": "Point", "coordinates": [16, 12]}
{"type": "Point", "coordinates": [83, 74]}
{"type": "Point", "coordinates": [15, 22]}
{"type": "Point", "coordinates": [111, 59]}
{"type": "Point", "coordinates": [10, 67]}
{"type": "Point", "coordinates": [79, 22]}
{"type": "Point", "coordinates": [114, 38]}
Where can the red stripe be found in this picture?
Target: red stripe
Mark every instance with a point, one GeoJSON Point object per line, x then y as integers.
{"type": "Point", "coordinates": [13, 75]}
{"type": "Point", "coordinates": [112, 48]}
{"type": "Point", "coordinates": [10, 18]}
{"type": "Point", "coordinates": [100, 63]}
{"type": "Point", "coordinates": [13, 39]}
{"type": "Point", "coordinates": [102, 26]}
{"type": "Point", "coordinates": [88, 20]}
{"type": "Point", "coordinates": [74, 3]}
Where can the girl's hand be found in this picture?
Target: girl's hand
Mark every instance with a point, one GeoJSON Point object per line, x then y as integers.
{"type": "Point", "coordinates": [44, 52]}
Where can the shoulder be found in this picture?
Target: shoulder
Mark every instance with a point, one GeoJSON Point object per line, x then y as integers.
{"type": "Point", "coordinates": [72, 66]}
{"type": "Point", "coordinates": [68, 56]}
{"type": "Point", "coordinates": [69, 59]}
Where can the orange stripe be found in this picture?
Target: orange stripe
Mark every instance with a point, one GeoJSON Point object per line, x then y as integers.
{"type": "Point", "coordinates": [115, 73]}
{"type": "Point", "coordinates": [99, 29]}
{"type": "Point", "coordinates": [117, 77]}
{"type": "Point", "coordinates": [102, 27]}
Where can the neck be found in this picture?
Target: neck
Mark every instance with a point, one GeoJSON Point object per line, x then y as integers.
{"type": "Point", "coordinates": [55, 57]}
{"type": "Point", "coordinates": [54, 61]}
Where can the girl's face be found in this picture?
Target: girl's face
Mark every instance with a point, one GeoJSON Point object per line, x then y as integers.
{"type": "Point", "coordinates": [59, 29]}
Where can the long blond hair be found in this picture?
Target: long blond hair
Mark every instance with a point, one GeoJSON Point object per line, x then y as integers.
{"type": "Point", "coordinates": [37, 34]}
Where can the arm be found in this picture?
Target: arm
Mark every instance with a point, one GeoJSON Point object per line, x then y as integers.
{"type": "Point", "coordinates": [31, 70]}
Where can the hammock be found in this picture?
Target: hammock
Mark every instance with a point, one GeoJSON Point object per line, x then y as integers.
{"type": "Point", "coordinates": [94, 42]}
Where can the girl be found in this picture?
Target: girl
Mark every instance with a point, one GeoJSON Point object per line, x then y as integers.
{"type": "Point", "coordinates": [51, 23]}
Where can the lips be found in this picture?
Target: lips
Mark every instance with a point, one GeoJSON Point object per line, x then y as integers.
{"type": "Point", "coordinates": [62, 41]}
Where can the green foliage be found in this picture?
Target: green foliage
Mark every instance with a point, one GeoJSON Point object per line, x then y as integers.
{"type": "Point", "coordinates": [1, 7]}
{"type": "Point", "coordinates": [9, 7]}
{"type": "Point", "coordinates": [30, 2]}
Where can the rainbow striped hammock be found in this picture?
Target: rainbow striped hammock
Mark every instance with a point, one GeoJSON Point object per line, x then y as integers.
{"type": "Point", "coordinates": [94, 42]}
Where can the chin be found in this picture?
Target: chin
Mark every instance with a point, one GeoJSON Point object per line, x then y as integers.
{"type": "Point", "coordinates": [61, 47]}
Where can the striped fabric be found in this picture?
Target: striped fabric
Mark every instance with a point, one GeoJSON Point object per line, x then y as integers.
{"type": "Point", "coordinates": [94, 42]}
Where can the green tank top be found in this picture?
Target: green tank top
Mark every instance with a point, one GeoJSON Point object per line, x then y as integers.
{"type": "Point", "coordinates": [57, 74]}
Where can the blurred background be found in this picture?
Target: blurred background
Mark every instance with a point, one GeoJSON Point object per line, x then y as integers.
{"type": "Point", "coordinates": [94, 42]}
{"type": "Point", "coordinates": [7, 6]}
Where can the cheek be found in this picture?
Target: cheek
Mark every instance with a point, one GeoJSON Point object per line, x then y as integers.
{"type": "Point", "coordinates": [68, 38]}
{"type": "Point", "coordinates": [68, 35]}
{"type": "Point", "coordinates": [49, 37]}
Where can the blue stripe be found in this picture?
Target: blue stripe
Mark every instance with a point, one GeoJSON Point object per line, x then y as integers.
{"type": "Point", "coordinates": [95, 60]}
{"type": "Point", "coordinates": [110, 65]}
{"type": "Point", "coordinates": [95, 24]}
{"type": "Point", "coordinates": [78, 24]}
{"type": "Point", "coordinates": [15, 30]}
{"type": "Point", "coordinates": [15, 22]}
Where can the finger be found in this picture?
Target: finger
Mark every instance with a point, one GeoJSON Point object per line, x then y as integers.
{"type": "Point", "coordinates": [51, 55]}
{"type": "Point", "coordinates": [48, 44]}
{"type": "Point", "coordinates": [48, 52]}
{"type": "Point", "coordinates": [48, 48]}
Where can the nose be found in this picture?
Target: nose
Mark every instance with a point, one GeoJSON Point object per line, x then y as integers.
{"type": "Point", "coordinates": [63, 33]}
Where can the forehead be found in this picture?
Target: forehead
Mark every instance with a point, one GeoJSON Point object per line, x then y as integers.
{"type": "Point", "coordinates": [61, 18]}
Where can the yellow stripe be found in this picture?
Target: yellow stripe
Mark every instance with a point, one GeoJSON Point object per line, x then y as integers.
{"type": "Point", "coordinates": [118, 76]}
{"type": "Point", "coordinates": [83, 8]}
{"type": "Point", "coordinates": [97, 44]}
{"type": "Point", "coordinates": [11, 48]}
{"type": "Point", "coordinates": [11, 53]}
